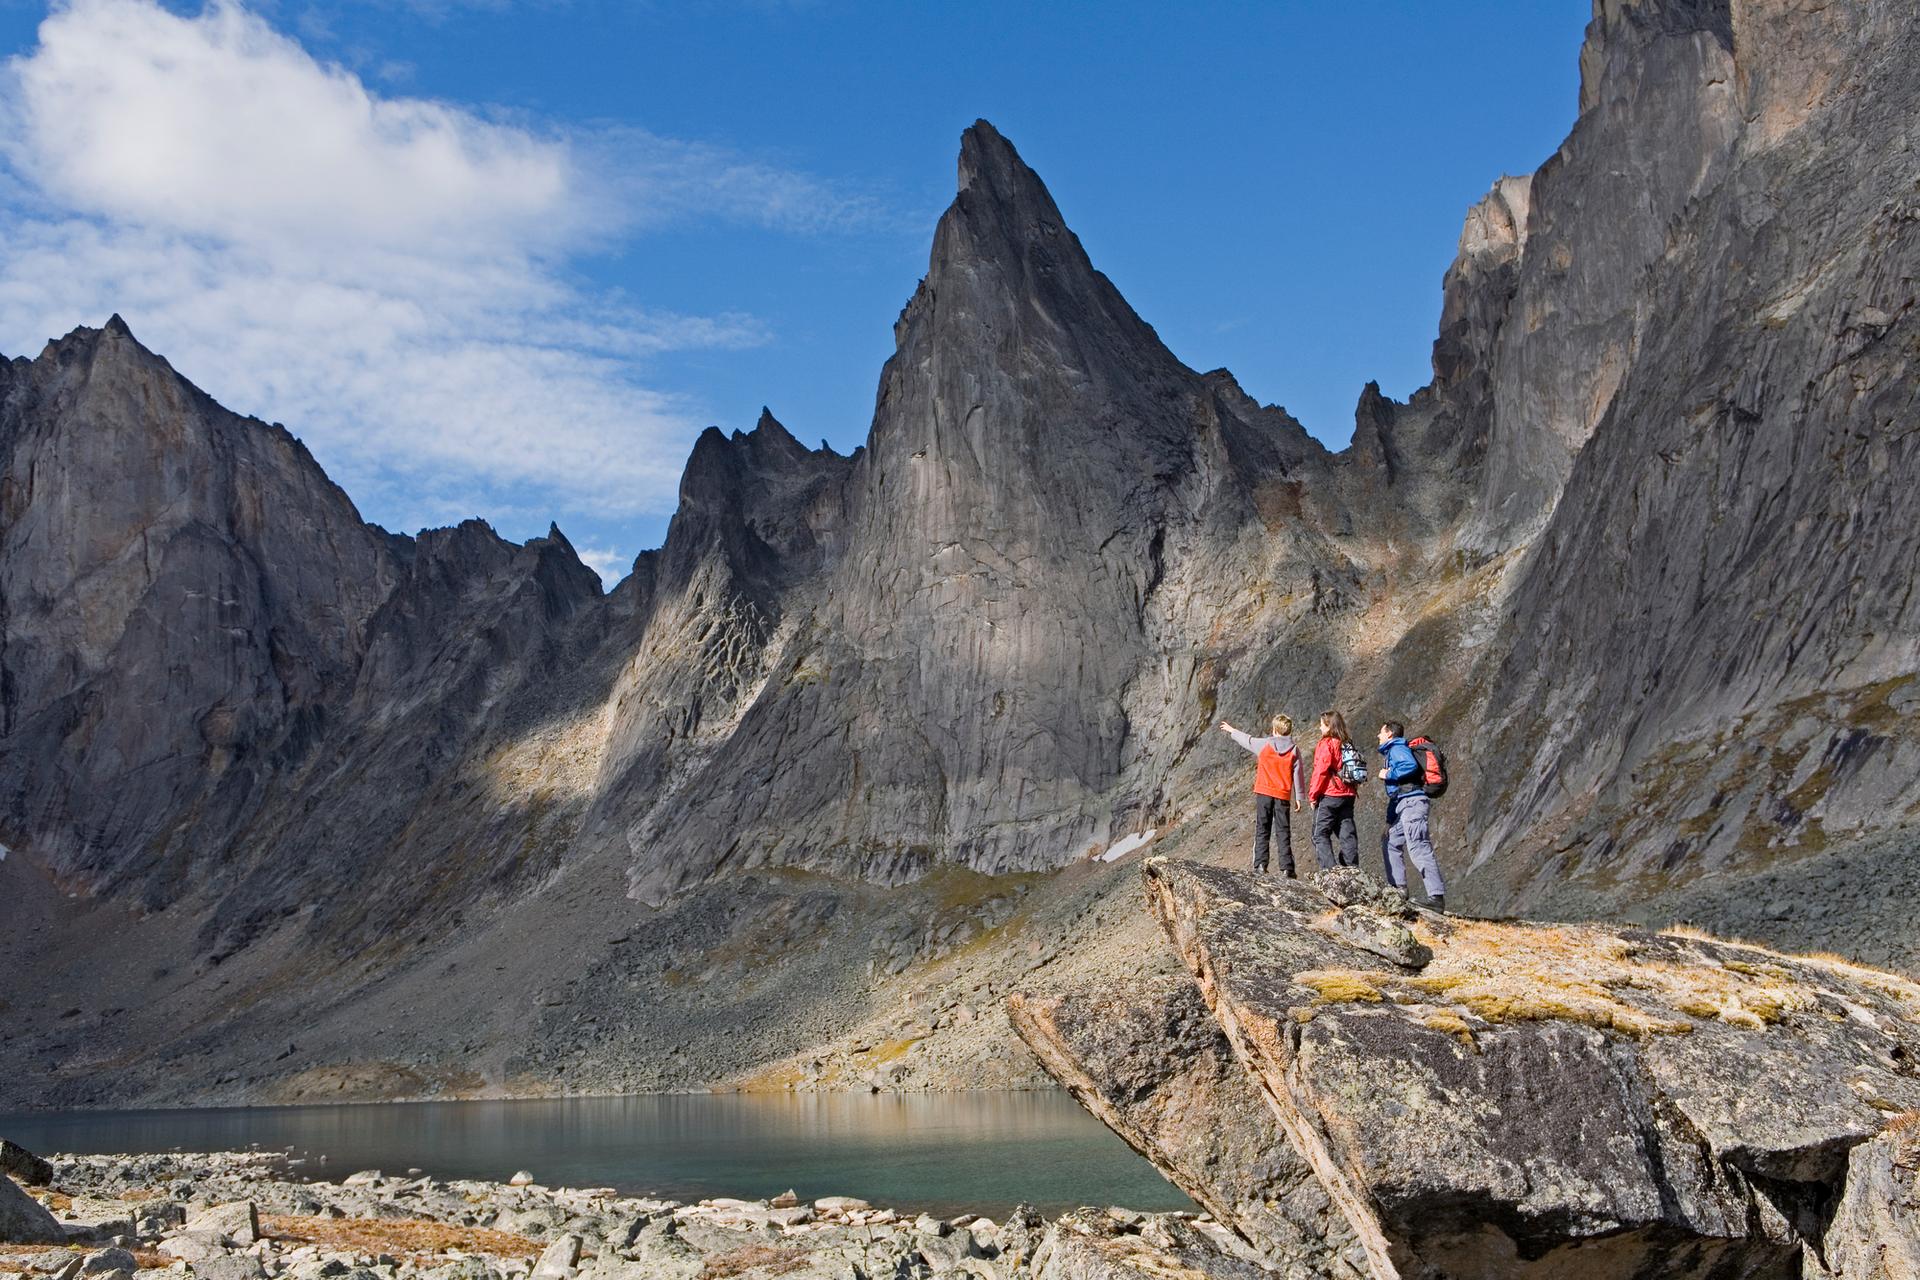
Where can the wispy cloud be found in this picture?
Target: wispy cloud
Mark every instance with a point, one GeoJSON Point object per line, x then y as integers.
{"type": "Point", "coordinates": [610, 564]}
{"type": "Point", "coordinates": [390, 276]}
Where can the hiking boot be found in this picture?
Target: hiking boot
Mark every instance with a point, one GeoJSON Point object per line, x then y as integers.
{"type": "Point", "coordinates": [1440, 903]}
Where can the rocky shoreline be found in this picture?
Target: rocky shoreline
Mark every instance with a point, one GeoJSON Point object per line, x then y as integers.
{"type": "Point", "coordinates": [245, 1216]}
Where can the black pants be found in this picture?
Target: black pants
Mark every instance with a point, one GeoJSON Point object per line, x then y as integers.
{"type": "Point", "coordinates": [1270, 816]}
{"type": "Point", "coordinates": [1335, 813]}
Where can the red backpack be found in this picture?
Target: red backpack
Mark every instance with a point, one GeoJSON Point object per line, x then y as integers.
{"type": "Point", "coordinates": [1433, 765]}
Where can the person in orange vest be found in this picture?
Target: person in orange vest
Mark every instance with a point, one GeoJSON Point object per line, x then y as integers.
{"type": "Point", "coordinates": [1279, 777]}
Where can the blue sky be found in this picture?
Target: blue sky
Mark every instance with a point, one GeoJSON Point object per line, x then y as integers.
{"type": "Point", "coordinates": [507, 259]}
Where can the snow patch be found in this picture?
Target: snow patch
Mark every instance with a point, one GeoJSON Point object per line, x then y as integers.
{"type": "Point", "coordinates": [1126, 845]}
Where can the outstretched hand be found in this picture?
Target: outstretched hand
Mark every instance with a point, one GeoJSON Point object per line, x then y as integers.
{"type": "Point", "coordinates": [1225, 727]}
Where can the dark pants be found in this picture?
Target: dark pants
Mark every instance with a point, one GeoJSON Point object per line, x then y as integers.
{"type": "Point", "coordinates": [1270, 816]}
{"type": "Point", "coordinates": [1335, 814]}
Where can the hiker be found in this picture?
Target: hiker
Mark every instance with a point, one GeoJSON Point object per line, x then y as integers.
{"type": "Point", "coordinates": [1406, 833]}
{"type": "Point", "coordinates": [1278, 779]}
{"type": "Point", "coordinates": [1336, 767]}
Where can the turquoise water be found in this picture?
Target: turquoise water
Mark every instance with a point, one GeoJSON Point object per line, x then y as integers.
{"type": "Point", "coordinates": [943, 1153]}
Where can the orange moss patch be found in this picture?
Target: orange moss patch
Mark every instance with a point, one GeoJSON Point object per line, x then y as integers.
{"type": "Point", "coordinates": [1340, 986]}
{"type": "Point", "coordinates": [886, 1052]}
{"type": "Point", "coordinates": [762, 1258]}
{"type": "Point", "coordinates": [781, 1077]}
{"type": "Point", "coordinates": [139, 1193]}
{"type": "Point", "coordinates": [417, 1238]}
{"type": "Point", "coordinates": [1491, 973]}
{"type": "Point", "coordinates": [1453, 1024]}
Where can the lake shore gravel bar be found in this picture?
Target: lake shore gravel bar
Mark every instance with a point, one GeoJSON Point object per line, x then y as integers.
{"type": "Point", "coordinates": [247, 1216]}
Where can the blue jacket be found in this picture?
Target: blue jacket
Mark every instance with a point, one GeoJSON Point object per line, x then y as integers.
{"type": "Point", "coordinates": [1403, 771]}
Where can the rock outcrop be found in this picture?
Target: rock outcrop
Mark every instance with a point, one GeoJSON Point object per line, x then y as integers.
{"type": "Point", "coordinates": [1524, 1099]}
{"type": "Point", "coordinates": [1710, 653]}
{"type": "Point", "coordinates": [1153, 1065]}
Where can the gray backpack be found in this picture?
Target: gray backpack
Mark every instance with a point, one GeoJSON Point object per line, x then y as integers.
{"type": "Point", "coordinates": [1352, 767]}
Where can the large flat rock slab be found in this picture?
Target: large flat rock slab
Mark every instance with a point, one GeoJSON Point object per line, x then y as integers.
{"type": "Point", "coordinates": [1150, 1062]}
{"type": "Point", "coordinates": [1534, 1100]}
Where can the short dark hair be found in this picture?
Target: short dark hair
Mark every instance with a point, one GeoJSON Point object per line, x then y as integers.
{"type": "Point", "coordinates": [1394, 727]}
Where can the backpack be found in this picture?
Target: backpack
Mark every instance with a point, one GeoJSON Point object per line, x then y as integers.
{"type": "Point", "coordinates": [1352, 767]}
{"type": "Point", "coordinates": [1433, 766]}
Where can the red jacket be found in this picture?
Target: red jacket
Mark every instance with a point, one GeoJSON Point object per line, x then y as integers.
{"type": "Point", "coordinates": [1326, 780]}
{"type": "Point", "coordinates": [1279, 770]}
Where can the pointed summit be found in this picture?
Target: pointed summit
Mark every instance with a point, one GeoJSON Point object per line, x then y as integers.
{"type": "Point", "coordinates": [1002, 211]}
{"type": "Point", "coordinates": [1004, 261]}
{"type": "Point", "coordinates": [990, 165]}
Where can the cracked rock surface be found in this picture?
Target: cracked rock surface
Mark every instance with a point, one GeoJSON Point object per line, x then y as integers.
{"type": "Point", "coordinates": [1533, 1100]}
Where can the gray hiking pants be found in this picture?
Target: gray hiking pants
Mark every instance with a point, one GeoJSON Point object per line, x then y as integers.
{"type": "Point", "coordinates": [1406, 837]}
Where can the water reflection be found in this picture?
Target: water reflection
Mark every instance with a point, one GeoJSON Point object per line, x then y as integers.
{"type": "Point", "coordinates": [941, 1153]}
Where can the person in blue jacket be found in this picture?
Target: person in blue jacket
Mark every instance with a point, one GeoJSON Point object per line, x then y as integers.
{"type": "Point", "coordinates": [1406, 834]}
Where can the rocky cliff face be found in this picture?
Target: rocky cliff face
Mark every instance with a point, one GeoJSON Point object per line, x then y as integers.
{"type": "Point", "coordinates": [1710, 655]}
{"type": "Point", "coordinates": [1641, 553]}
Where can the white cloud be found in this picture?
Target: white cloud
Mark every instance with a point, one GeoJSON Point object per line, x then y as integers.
{"type": "Point", "coordinates": [611, 565]}
{"type": "Point", "coordinates": [218, 125]}
{"type": "Point", "coordinates": [389, 276]}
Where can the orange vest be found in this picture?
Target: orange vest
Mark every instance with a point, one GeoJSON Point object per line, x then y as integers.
{"type": "Point", "coordinates": [1274, 774]}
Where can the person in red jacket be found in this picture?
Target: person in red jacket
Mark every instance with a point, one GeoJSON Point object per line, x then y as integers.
{"type": "Point", "coordinates": [1278, 778]}
{"type": "Point", "coordinates": [1331, 796]}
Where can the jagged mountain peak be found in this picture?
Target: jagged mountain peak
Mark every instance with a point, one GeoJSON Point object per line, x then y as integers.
{"type": "Point", "coordinates": [991, 166]}
{"type": "Point", "coordinates": [1003, 215]}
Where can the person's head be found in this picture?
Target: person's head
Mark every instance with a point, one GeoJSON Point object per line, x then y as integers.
{"type": "Point", "coordinates": [1283, 724]}
{"type": "Point", "coordinates": [1333, 725]}
{"type": "Point", "coordinates": [1391, 729]}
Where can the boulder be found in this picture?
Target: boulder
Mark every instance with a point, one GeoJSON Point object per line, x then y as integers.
{"type": "Point", "coordinates": [229, 1266]}
{"type": "Point", "coordinates": [1546, 1099]}
{"type": "Point", "coordinates": [23, 1166]}
{"type": "Point", "coordinates": [194, 1247]}
{"type": "Point", "coordinates": [559, 1260]}
{"type": "Point", "coordinates": [1088, 1244]}
{"type": "Point", "coordinates": [521, 1179]}
{"type": "Point", "coordinates": [1152, 1064]}
{"type": "Point", "coordinates": [109, 1260]}
{"type": "Point", "coordinates": [239, 1221]}
{"type": "Point", "coordinates": [24, 1220]}
{"type": "Point", "coordinates": [840, 1204]}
